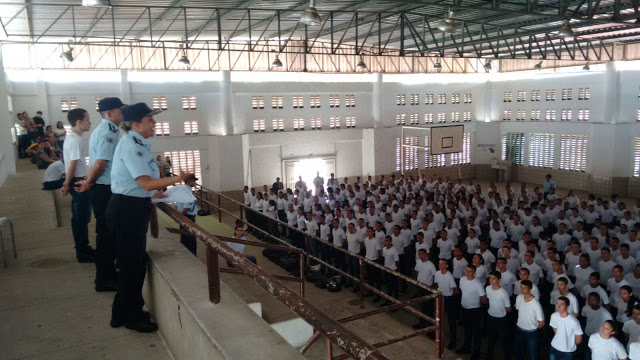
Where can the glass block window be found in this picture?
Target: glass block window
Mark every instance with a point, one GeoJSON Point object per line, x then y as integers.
{"type": "Point", "coordinates": [259, 125]}
{"type": "Point", "coordinates": [636, 158]}
{"type": "Point", "coordinates": [522, 96]}
{"type": "Point", "coordinates": [508, 96]}
{"type": "Point", "coordinates": [583, 115]}
{"type": "Point", "coordinates": [442, 98]}
{"type": "Point", "coordinates": [428, 118]}
{"type": "Point", "coordinates": [513, 147]}
{"type": "Point", "coordinates": [521, 115]}
{"type": "Point", "coordinates": [316, 123]}
{"type": "Point", "coordinates": [350, 101]}
{"type": "Point", "coordinates": [191, 128]}
{"type": "Point", "coordinates": [567, 94]}
{"type": "Point", "coordinates": [463, 157]}
{"type": "Point", "coordinates": [277, 124]}
{"type": "Point", "coordinates": [401, 99]}
{"type": "Point", "coordinates": [67, 104]}
{"type": "Point", "coordinates": [573, 152]}
{"type": "Point", "coordinates": [277, 102]}
{"type": "Point", "coordinates": [350, 121]}
{"type": "Point", "coordinates": [442, 117]}
{"type": "Point", "coordinates": [535, 95]}
{"type": "Point", "coordinates": [455, 117]}
{"type": "Point", "coordinates": [334, 101]}
{"type": "Point", "coordinates": [550, 115]}
{"type": "Point", "coordinates": [551, 95]}
{"type": "Point", "coordinates": [411, 154]}
{"type": "Point", "coordinates": [467, 98]}
{"type": "Point", "coordinates": [431, 161]}
{"type": "Point", "coordinates": [187, 160]}
{"type": "Point", "coordinates": [566, 115]}
{"type": "Point", "coordinates": [160, 103]}
{"type": "Point", "coordinates": [98, 98]}
{"type": "Point", "coordinates": [189, 103]}
{"type": "Point", "coordinates": [584, 94]}
{"type": "Point", "coordinates": [400, 119]}
{"type": "Point", "coordinates": [541, 150]}
{"type": "Point", "coordinates": [314, 101]}
{"type": "Point", "coordinates": [298, 124]}
{"type": "Point", "coordinates": [257, 102]}
{"type": "Point", "coordinates": [428, 99]}
{"type": "Point", "coordinates": [414, 99]}
{"type": "Point", "coordinates": [535, 115]}
{"type": "Point", "coordinates": [455, 98]}
{"type": "Point", "coordinates": [506, 115]}
{"type": "Point", "coordinates": [334, 122]}
{"type": "Point", "coordinates": [298, 101]}
{"type": "Point", "coordinates": [466, 116]}
{"type": "Point", "coordinates": [414, 119]}
{"type": "Point", "coordinates": [162, 128]}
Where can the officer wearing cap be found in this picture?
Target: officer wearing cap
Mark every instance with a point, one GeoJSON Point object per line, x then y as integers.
{"type": "Point", "coordinates": [102, 145]}
{"type": "Point", "coordinates": [134, 181]}
{"type": "Point", "coordinates": [189, 210]}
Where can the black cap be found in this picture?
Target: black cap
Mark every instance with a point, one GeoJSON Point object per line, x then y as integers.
{"type": "Point", "coordinates": [136, 112]}
{"type": "Point", "coordinates": [110, 103]}
{"type": "Point", "coordinates": [192, 177]}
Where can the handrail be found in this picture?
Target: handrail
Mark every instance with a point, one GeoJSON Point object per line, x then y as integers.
{"type": "Point", "coordinates": [337, 333]}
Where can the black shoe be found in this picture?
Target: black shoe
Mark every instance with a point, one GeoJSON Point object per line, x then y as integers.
{"type": "Point", "coordinates": [143, 326]}
{"type": "Point", "coordinates": [463, 350]}
{"type": "Point", "coordinates": [86, 259]}
{"type": "Point", "coordinates": [420, 325]}
{"type": "Point", "coordinates": [117, 323]}
{"type": "Point", "coordinates": [107, 286]}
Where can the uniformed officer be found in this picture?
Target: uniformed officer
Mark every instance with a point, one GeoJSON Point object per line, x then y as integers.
{"type": "Point", "coordinates": [190, 210]}
{"type": "Point", "coordinates": [134, 181]}
{"type": "Point", "coordinates": [102, 145]}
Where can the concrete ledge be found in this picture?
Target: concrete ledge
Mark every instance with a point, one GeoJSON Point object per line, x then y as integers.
{"type": "Point", "coordinates": [176, 294]}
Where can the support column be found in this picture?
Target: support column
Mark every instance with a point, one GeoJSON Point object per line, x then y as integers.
{"type": "Point", "coordinates": [226, 103]}
{"type": "Point", "coordinates": [43, 96]}
{"type": "Point", "coordinates": [125, 89]}
{"type": "Point", "coordinates": [7, 147]}
{"type": "Point", "coordinates": [612, 94]}
{"type": "Point", "coordinates": [376, 101]}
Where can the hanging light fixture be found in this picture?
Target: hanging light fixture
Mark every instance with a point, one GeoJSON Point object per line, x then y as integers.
{"type": "Point", "coordinates": [361, 65]}
{"type": "Point", "coordinates": [276, 64]}
{"type": "Point", "coordinates": [184, 60]}
{"type": "Point", "coordinates": [67, 55]}
{"type": "Point", "coordinates": [437, 66]}
{"type": "Point", "coordinates": [447, 24]}
{"type": "Point", "coordinates": [310, 15]}
{"type": "Point", "coordinates": [538, 66]}
{"type": "Point", "coordinates": [487, 66]}
{"type": "Point", "coordinates": [586, 67]}
{"type": "Point", "coordinates": [566, 31]}
{"type": "Point", "coordinates": [96, 3]}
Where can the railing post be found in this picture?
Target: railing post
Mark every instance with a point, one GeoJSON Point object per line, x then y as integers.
{"type": "Point", "coordinates": [213, 273]}
{"type": "Point", "coordinates": [329, 350]}
{"type": "Point", "coordinates": [302, 274]}
{"type": "Point", "coordinates": [361, 283]}
{"type": "Point", "coordinates": [219, 210]}
{"type": "Point", "coordinates": [439, 333]}
{"type": "Point", "coordinates": [242, 212]}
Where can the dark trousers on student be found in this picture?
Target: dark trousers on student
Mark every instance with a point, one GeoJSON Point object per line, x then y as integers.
{"type": "Point", "coordinates": [498, 330]}
{"type": "Point", "coordinates": [526, 342]}
{"type": "Point", "coordinates": [560, 355]}
{"type": "Point", "coordinates": [52, 185]}
{"type": "Point", "coordinates": [450, 310]}
{"type": "Point", "coordinates": [472, 330]}
{"type": "Point", "coordinates": [189, 242]}
{"type": "Point", "coordinates": [391, 281]}
{"type": "Point", "coordinates": [105, 240]}
{"type": "Point", "coordinates": [80, 217]}
{"type": "Point", "coordinates": [128, 218]}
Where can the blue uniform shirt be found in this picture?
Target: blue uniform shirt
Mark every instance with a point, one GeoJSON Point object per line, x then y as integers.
{"type": "Point", "coordinates": [191, 206]}
{"type": "Point", "coordinates": [102, 144]}
{"type": "Point", "coordinates": [133, 158]}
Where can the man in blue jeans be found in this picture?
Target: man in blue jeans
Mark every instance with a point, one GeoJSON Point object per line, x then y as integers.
{"type": "Point", "coordinates": [530, 321]}
{"type": "Point", "coordinates": [75, 152]}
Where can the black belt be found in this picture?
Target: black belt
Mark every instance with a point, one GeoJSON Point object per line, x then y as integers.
{"type": "Point", "coordinates": [131, 198]}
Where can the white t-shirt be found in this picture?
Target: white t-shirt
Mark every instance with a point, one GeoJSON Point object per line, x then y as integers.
{"type": "Point", "coordinates": [446, 247]}
{"type": "Point", "coordinates": [426, 270]}
{"type": "Point", "coordinates": [446, 282]}
{"type": "Point", "coordinates": [604, 298]}
{"type": "Point", "coordinates": [529, 313]}
{"type": "Point", "coordinates": [75, 148]}
{"type": "Point", "coordinates": [614, 288]}
{"type": "Point", "coordinates": [458, 267]}
{"type": "Point", "coordinates": [582, 276]}
{"type": "Point", "coordinates": [633, 329]}
{"type": "Point", "coordinates": [606, 349]}
{"type": "Point", "coordinates": [634, 351]}
{"type": "Point", "coordinates": [472, 290]}
{"type": "Point", "coordinates": [372, 248]}
{"type": "Point", "coordinates": [507, 281]}
{"type": "Point", "coordinates": [54, 172]}
{"type": "Point", "coordinates": [353, 242]}
{"type": "Point", "coordinates": [399, 243]}
{"type": "Point", "coordinates": [566, 330]}
{"type": "Point", "coordinates": [390, 257]}
{"type": "Point", "coordinates": [574, 306]}
{"type": "Point", "coordinates": [595, 318]}
{"type": "Point", "coordinates": [498, 302]}
{"type": "Point", "coordinates": [472, 245]}
{"type": "Point", "coordinates": [338, 236]}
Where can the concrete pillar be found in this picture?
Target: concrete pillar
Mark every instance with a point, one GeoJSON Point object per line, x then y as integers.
{"type": "Point", "coordinates": [226, 103]}
{"type": "Point", "coordinates": [125, 89]}
{"type": "Point", "coordinates": [42, 93]}
{"type": "Point", "coordinates": [376, 101]}
{"type": "Point", "coordinates": [612, 93]}
{"type": "Point", "coordinates": [7, 147]}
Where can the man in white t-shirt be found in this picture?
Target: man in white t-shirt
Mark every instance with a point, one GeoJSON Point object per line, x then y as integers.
{"type": "Point", "coordinates": [497, 323]}
{"type": "Point", "coordinates": [75, 153]}
{"type": "Point", "coordinates": [53, 177]}
{"type": "Point", "coordinates": [568, 334]}
{"type": "Point", "coordinates": [530, 320]}
{"type": "Point", "coordinates": [425, 273]}
{"type": "Point", "coordinates": [447, 284]}
{"type": "Point", "coordinates": [373, 252]}
{"type": "Point", "coordinates": [391, 261]}
{"type": "Point", "coordinates": [473, 294]}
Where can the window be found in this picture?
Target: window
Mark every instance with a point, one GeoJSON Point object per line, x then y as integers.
{"type": "Point", "coordinates": [400, 119]}
{"type": "Point", "coordinates": [583, 115]}
{"type": "Point", "coordinates": [522, 96]}
{"type": "Point", "coordinates": [583, 94]}
{"type": "Point", "coordinates": [455, 117]}
{"type": "Point", "coordinates": [466, 116]}
{"type": "Point", "coordinates": [159, 102]}
{"type": "Point", "coordinates": [513, 147]}
{"type": "Point", "coordinates": [535, 95]}
{"type": "Point", "coordinates": [442, 117]}
{"type": "Point", "coordinates": [638, 115]}
{"type": "Point", "coordinates": [507, 97]}
{"type": "Point", "coordinates": [298, 124]}
{"type": "Point", "coordinates": [350, 100]}
{"type": "Point", "coordinates": [463, 157]}
{"type": "Point", "coordinates": [455, 98]}
{"type": "Point", "coordinates": [541, 150]}
{"type": "Point", "coordinates": [415, 99]}
{"type": "Point", "coordinates": [467, 98]}
{"type": "Point", "coordinates": [398, 154]}
{"type": "Point", "coordinates": [188, 161]}
{"type": "Point", "coordinates": [565, 115]}
{"type": "Point", "coordinates": [573, 152]}
{"type": "Point", "coordinates": [400, 99]}
{"type": "Point", "coordinates": [316, 123]}
{"type": "Point", "coordinates": [636, 158]}
{"type": "Point", "coordinates": [521, 115]}
{"type": "Point", "coordinates": [188, 103]}
{"type": "Point", "coordinates": [257, 102]}
{"type": "Point", "coordinates": [334, 122]}
{"type": "Point", "coordinates": [277, 102]}
{"type": "Point", "coordinates": [298, 102]}
{"type": "Point", "coordinates": [334, 100]}
{"type": "Point", "coordinates": [258, 125]}
{"type": "Point", "coordinates": [442, 98]}
{"type": "Point", "coordinates": [162, 128]}
{"type": "Point", "coordinates": [411, 154]}
{"type": "Point", "coordinates": [314, 101]}
{"type": "Point", "coordinates": [535, 115]}
{"type": "Point", "coordinates": [67, 104]}
{"type": "Point", "coordinates": [191, 128]}
{"type": "Point", "coordinates": [550, 115]}
{"type": "Point", "coordinates": [278, 124]}
{"type": "Point", "coordinates": [551, 95]}
{"type": "Point", "coordinates": [428, 99]}
{"type": "Point", "coordinates": [428, 118]}
{"type": "Point", "coordinates": [98, 98]}
{"type": "Point", "coordinates": [414, 119]}
{"type": "Point", "coordinates": [350, 121]}
{"type": "Point", "coordinates": [431, 161]}
{"type": "Point", "coordinates": [506, 115]}
{"type": "Point", "coordinates": [567, 94]}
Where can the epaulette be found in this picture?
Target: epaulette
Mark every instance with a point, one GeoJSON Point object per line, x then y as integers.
{"type": "Point", "coordinates": [113, 128]}
{"type": "Point", "coordinates": [138, 141]}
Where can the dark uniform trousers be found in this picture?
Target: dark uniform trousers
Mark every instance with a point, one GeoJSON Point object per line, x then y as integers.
{"type": "Point", "coordinates": [189, 241]}
{"type": "Point", "coordinates": [80, 217]}
{"type": "Point", "coordinates": [128, 218]}
{"type": "Point", "coordinates": [105, 241]}
{"type": "Point", "coordinates": [498, 330]}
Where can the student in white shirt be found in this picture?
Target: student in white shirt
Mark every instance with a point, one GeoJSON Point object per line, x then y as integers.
{"type": "Point", "coordinates": [473, 294]}
{"type": "Point", "coordinates": [425, 272]}
{"type": "Point", "coordinates": [595, 314]}
{"type": "Point", "coordinates": [582, 272]}
{"type": "Point", "coordinates": [594, 286]}
{"type": "Point", "coordinates": [604, 346]}
{"type": "Point", "coordinates": [530, 320]}
{"type": "Point", "coordinates": [373, 252]}
{"type": "Point", "coordinates": [627, 262]}
{"type": "Point", "coordinates": [566, 329]}
{"type": "Point", "coordinates": [563, 290]}
{"type": "Point", "coordinates": [391, 261]}
{"type": "Point", "coordinates": [447, 284]}
{"type": "Point", "coordinates": [507, 278]}
{"type": "Point", "coordinates": [459, 263]}
{"type": "Point", "coordinates": [497, 325]}
{"type": "Point", "coordinates": [353, 245]}
{"type": "Point", "coordinates": [471, 244]}
{"type": "Point", "coordinates": [524, 275]}
{"type": "Point", "coordinates": [445, 246]}
{"type": "Point", "coordinates": [614, 283]}
{"type": "Point", "coordinates": [631, 328]}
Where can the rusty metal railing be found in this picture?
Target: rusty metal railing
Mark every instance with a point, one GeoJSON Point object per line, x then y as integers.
{"type": "Point", "coordinates": [204, 195]}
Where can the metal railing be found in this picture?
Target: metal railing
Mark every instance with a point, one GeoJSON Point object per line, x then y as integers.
{"type": "Point", "coordinates": [205, 196]}
{"type": "Point", "coordinates": [4, 220]}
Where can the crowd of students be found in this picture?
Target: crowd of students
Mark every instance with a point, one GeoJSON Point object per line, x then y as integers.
{"type": "Point", "coordinates": [535, 272]}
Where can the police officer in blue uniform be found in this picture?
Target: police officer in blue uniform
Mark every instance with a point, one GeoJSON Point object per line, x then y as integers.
{"type": "Point", "coordinates": [134, 181]}
{"type": "Point", "coordinates": [189, 210]}
{"type": "Point", "coordinates": [102, 146]}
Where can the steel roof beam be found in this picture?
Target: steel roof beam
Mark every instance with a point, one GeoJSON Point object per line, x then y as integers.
{"type": "Point", "coordinates": [163, 17]}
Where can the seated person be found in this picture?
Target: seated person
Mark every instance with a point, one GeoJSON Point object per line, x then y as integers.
{"type": "Point", "coordinates": [54, 176]}
{"type": "Point", "coordinates": [239, 234]}
{"type": "Point", "coordinates": [45, 156]}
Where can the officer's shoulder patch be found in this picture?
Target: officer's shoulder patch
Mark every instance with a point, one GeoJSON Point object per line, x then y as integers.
{"type": "Point", "coordinates": [138, 141]}
{"type": "Point", "coordinates": [109, 140]}
{"type": "Point", "coordinates": [113, 128]}
{"type": "Point", "coordinates": [139, 153]}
